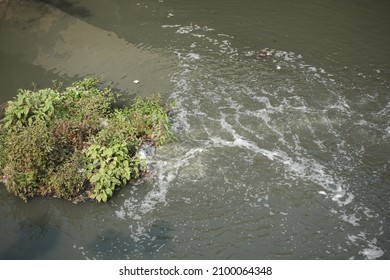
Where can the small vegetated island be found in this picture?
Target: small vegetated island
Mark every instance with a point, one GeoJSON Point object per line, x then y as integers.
{"type": "Point", "coordinates": [77, 143]}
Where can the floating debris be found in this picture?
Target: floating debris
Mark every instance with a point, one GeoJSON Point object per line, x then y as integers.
{"type": "Point", "coordinates": [136, 81]}
{"type": "Point", "coordinates": [265, 52]}
{"type": "Point", "coordinates": [262, 54]}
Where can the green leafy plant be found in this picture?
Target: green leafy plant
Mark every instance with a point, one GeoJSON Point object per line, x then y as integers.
{"type": "Point", "coordinates": [67, 180]}
{"type": "Point", "coordinates": [77, 141]}
{"type": "Point", "coordinates": [151, 120]}
{"type": "Point", "coordinates": [30, 107]}
{"type": "Point", "coordinates": [110, 167]}
{"type": "Point", "coordinates": [83, 100]}
{"type": "Point", "coordinates": [26, 159]}
{"type": "Point", "coordinates": [119, 127]}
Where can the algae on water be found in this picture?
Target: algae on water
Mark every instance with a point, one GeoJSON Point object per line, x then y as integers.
{"type": "Point", "coordinates": [77, 142]}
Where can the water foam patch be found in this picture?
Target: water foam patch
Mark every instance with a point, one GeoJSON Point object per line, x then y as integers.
{"type": "Point", "coordinates": [370, 251]}
{"type": "Point", "coordinates": [266, 112]}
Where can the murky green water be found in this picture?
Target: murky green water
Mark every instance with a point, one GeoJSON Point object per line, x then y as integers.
{"type": "Point", "coordinates": [282, 157]}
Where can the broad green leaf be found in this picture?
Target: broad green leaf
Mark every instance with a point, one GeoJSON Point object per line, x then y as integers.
{"type": "Point", "coordinates": [26, 110]}
{"type": "Point", "coordinates": [8, 124]}
{"type": "Point", "coordinates": [115, 181]}
{"type": "Point", "coordinates": [19, 114]}
{"type": "Point", "coordinates": [104, 196]}
{"type": "Point", "coordinates": [107, 152]}
{"type": "Point", "coordinates": [109, 192]}
{"type": "Point", "coordinates": [95, 178]}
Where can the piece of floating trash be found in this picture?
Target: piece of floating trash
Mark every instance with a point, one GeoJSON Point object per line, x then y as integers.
{"type": "Point", "coordinates": [262, 54]}
{"type": "Point", "coordinates": [135, 81]}
{"type": "Point", "coordinates": [278, 67]}
{"type": "Point", "coordinates": [265, 52]}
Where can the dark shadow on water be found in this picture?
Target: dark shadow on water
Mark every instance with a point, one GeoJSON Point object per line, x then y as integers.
{"type": "Point", "coordinates": [69, 7]}
{"type": "Point", "coordinates": [35, 238]}
{"type": "Point", "coordinates": [115, 245]}
{"type": "Point", "coordinates": [16, 74]}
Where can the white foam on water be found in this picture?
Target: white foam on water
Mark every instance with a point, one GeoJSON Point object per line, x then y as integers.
{"type": "Point", "coordinates": [188, 29]}
{"type": "Point", "coordinates": [136, 210]}
{"type": "Point", "coordinates": [184, 29]}
{"type": "Point", "coordinates": [372, 253]}
{"type": "Point", "coordinates": [195, 91]}
{"type": "Point", "coordinates": [157, 195]}
{"type": "Point", "coordinates": [352, 219]}
{"type": "Point", "coordinates": [194, 56]}
{"type": "Point", "coordinates": [170, 25]}
{"type": "Point", "coordinates": [301, 167]}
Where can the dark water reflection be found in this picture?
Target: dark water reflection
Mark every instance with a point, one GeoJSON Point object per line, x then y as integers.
{"type": "Point", "coordinates": [70, 7]}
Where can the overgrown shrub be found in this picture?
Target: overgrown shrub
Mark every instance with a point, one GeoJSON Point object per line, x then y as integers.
{"type": "Point", "coordinates": [111, 167]}
{"type": "Point", "coordinates": [68, 179]}
{"type": "Point", "coordinates": [150, 120]}
{"type": "Point", "coordinates": [27, 154]}
{"type": "Point", "coordinates": [119, 127]}
{"type": "Point", "coordinates": [60, 143]}
{"type": "Point", "coordinates": [30, 107]}
{"type": "Point", "coordinates": [85, 101]}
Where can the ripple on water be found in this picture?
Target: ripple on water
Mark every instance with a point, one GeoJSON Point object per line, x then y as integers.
{"type": "Point", "coordinates": [251, 151]}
